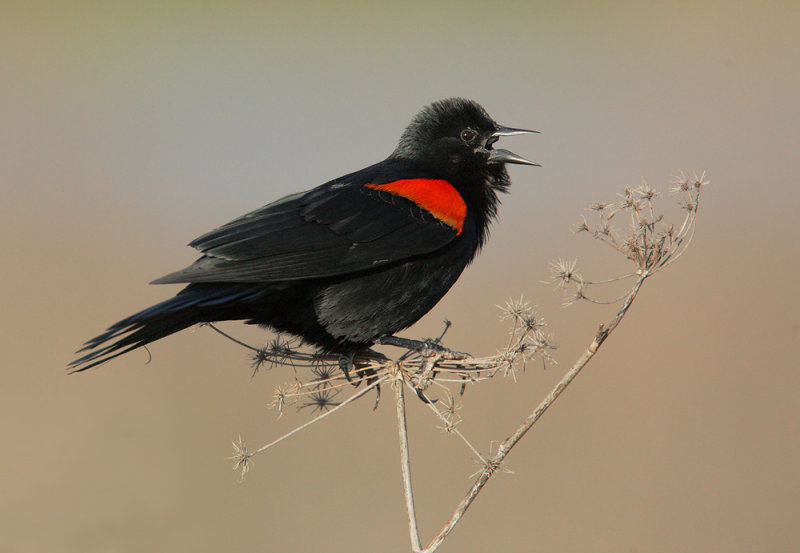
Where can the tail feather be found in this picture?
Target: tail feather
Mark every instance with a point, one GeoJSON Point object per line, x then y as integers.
{"type": "Point", "coordinates": [194, 304]}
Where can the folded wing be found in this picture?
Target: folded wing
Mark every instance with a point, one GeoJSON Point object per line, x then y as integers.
{"type": "Point", "coordinates": [335, 229]}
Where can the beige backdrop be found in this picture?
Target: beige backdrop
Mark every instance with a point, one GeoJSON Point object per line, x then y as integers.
{"type": "Point", "coordinates": [127, 129]}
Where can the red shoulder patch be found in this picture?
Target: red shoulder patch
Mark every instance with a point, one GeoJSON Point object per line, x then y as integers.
{"type": "Point", "coordinates": [437, 196]}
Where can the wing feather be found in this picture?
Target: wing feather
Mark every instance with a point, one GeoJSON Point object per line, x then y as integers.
{"type": "Point", "coordinates": [332, 230]}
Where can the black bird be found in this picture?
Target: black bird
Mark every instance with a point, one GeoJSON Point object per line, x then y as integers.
{"type": "Point", "coordinates": [349, 262]}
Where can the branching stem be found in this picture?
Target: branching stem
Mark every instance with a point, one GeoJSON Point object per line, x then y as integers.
{"type": "Point", "coordinates": [508, 444]}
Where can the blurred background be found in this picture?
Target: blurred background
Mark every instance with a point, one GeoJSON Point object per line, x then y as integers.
{"type": "Point", "coordinates": [129, 128]}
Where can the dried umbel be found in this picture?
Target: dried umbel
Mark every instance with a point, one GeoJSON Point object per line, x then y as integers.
{"type": "Point", "coordinates": [632, 226]}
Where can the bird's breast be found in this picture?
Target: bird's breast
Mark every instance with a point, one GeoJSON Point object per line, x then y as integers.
{"type": "Point", "coordinates": [362, 308]}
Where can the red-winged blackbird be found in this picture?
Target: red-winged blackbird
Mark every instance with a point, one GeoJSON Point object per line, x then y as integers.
{"type": "Point", "coordinates": [356, 259]}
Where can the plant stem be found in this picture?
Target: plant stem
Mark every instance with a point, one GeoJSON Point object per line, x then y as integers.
{"type": "Point", "coordinates": [507, 444]}
{"type": "Point", "coordinates": [405, 462]}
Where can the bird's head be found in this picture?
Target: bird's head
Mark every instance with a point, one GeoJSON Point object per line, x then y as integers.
{"type": "Point", "coordinates": [456, 137]}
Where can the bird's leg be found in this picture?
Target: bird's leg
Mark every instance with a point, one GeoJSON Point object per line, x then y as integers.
{"type": "Point", "coordinates": [423, 347]}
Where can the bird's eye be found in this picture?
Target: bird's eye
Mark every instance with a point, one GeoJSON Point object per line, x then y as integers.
{"type": "Point", "coordinates": [468, 135]}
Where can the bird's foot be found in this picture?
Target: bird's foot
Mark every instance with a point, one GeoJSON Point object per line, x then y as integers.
{"type": "Point", "coordinates": [348, 363]}
{"type": "Point", "coordinates": [426, 348]}
{"type": "Point", "coordinates": [431, 351]}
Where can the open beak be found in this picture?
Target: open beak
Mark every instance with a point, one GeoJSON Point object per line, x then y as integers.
{"type": "Point", "coordinates": [504, 156]}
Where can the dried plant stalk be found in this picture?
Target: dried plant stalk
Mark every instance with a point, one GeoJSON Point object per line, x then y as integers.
{"type": "Point", "coordinates": [649, 244]}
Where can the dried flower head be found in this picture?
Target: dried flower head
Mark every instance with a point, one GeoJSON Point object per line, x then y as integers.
{"type": "Point", "coordinates": [645, 192]}
{"type": "Point", "coordinates": [515, 310]}
{"type": "Point", "coordinates": [574, 297]}
{"type": "Point", "coordinates": [285, 394]}
{"type": "Point", "coordinates": [241, 457]}
{"type": "Point", "coordinates": [581, 226]}
{"type": "Point", "coordinates": [563, 273]}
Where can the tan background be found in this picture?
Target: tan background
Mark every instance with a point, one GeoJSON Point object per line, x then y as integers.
{"type": "Point", "coordinates": [127, 129]}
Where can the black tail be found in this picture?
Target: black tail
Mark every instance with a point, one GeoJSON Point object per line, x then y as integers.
{"type": "Point", "coordinates": [196, 303]}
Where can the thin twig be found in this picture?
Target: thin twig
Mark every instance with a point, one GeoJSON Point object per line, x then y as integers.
{"type": "Point", "coordinates": [505, 447]}
{"type": "Point", "coordinates": [608, 280]}
{"type": "Point", "coordinates": [320, 417]}
{"type": "Point", "coordinates": [450, 426]}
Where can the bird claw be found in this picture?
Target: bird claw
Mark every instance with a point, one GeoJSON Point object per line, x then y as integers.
{"type": "Point", "coordinates": [345, 364]}
{"type": "Point", "coordinates": [421, 395]}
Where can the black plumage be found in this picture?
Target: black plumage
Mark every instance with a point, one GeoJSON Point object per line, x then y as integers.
{"type": "Point", "coordinates": [355, 259]}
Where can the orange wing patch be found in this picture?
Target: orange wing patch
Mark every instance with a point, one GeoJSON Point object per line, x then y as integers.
{"type": "Point", "coordinates": [437, 196]}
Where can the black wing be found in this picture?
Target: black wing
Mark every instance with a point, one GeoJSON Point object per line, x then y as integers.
{"type": "Point", "coordinates": [335, 229]}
